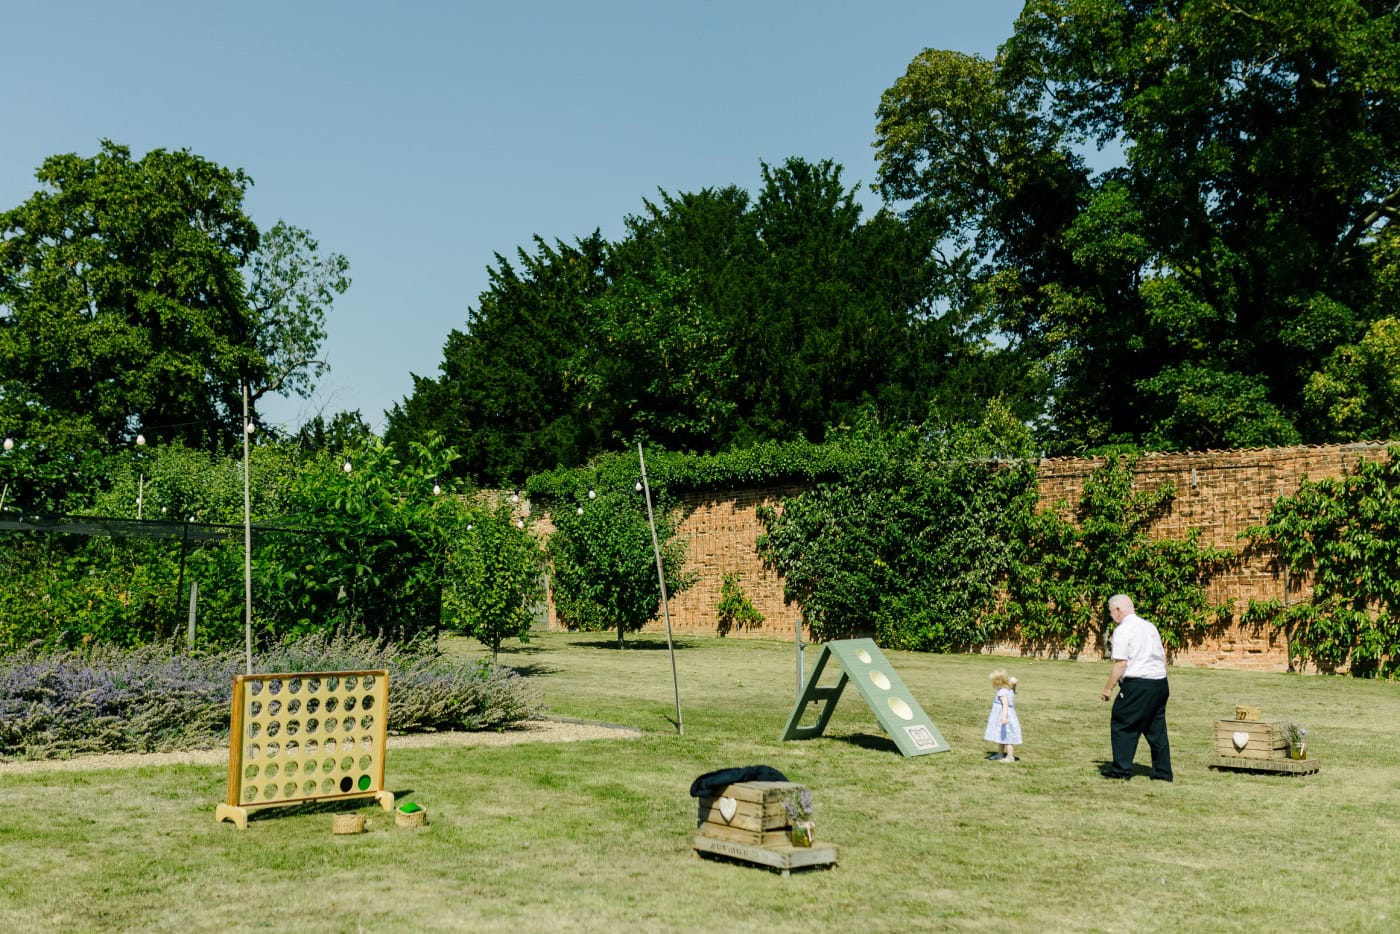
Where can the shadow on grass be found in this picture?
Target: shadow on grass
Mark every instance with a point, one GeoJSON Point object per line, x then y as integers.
{"type": "Point", "coordinates": [529, 671]}
{"type": "Point", "coordinates": [1109, 771]}
{"type": "Point", "coordinates": [869, 741]}
{"type": "Point", "coordinates": [340, 806]}
{"type": "Point", "coordinates": [630, 645]}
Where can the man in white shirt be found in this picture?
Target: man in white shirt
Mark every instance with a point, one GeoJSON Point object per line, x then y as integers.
{"type": "Point", "coordinates": [1140, 673]}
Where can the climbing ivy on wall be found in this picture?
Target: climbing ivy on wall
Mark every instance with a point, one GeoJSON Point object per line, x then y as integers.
{"type": "Point", "coordinates": [1065, 570]}
{"type": "Point", "coordinates": [929, 538]}
{"type": "Point", "coordinates": [735, 611]}
{"type": "Point", "coordinates": [1345, 535]}
{"type": "Point", "coordinates": [911, 547]}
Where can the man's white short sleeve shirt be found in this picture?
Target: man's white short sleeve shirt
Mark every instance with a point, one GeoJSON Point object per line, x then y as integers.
{"type": "Point", "coordinates": [1137, 642]}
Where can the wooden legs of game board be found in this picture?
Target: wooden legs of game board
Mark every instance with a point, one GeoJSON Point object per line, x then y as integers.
{"type": "Point", "coordinates": [232, 812]}
{"type": "Point", "coordinates": [239, 815]}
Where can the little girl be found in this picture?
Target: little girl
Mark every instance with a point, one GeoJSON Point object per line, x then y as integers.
{"type": "Point", "coordinates": [1003, 726]}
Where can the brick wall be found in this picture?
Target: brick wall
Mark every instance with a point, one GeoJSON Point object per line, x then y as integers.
{"type": "Point", "coordinates": [1219, 492]}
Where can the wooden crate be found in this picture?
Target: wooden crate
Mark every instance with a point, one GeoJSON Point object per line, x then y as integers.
{"type": "Point", "coordinates": [1262, 740]}
{"type": "Point", "coordinates": [1284, 766]}
{"type": "Point", "coordinates": [751, 813]}
{"type": "Point", "coordinates": [783, 858]}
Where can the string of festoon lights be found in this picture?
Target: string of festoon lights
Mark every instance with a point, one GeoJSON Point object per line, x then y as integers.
{"type": "Point", "coordinates": [9, 445]}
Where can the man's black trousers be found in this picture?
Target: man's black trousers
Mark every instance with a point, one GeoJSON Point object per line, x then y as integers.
{"type": "Point", "coordinates": [1141, 710]}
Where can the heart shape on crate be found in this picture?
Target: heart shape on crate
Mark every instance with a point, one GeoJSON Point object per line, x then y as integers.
{"type": "Point", "coordinates": [1241, 739]}
{"type": "Point", "coordinates": [727, 807]}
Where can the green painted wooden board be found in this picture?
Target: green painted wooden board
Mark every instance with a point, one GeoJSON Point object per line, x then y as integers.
{"type": "Point", "coordinates": [864, 665]}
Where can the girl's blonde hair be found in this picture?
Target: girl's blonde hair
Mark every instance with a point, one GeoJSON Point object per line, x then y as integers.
{"type": "Point", "coordinates": [1000, 679]}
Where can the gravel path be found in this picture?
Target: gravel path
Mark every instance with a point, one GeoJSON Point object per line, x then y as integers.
{"type": "Point", "coordinates": [528, 731]}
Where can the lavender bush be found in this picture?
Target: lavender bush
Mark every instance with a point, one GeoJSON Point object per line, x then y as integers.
{"type": "Point", "coordinates": [158, 698]}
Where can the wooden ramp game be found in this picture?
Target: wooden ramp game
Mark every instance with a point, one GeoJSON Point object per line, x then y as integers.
{"type": "Point", "coordinates": [304, 737]}
{"type": "Point", "coordinates": [863, 664]}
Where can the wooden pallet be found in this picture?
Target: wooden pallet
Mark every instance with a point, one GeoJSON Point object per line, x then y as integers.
{"type": "Point", "coordinates": [1286, 766]}
{"type": "Point", "coordinates": [783, 858]}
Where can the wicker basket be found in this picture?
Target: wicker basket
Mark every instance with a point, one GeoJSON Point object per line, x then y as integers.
{"type": "Point", "coordinates": [1248, 713]}
{"type": "Point", "coordinates": [348, 823]}
{"type": "Point", "coordinates": [417, 818]}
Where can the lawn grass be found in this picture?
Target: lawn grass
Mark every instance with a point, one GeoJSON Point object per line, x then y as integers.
{"type": "Point", "coordinates": [595, 835]}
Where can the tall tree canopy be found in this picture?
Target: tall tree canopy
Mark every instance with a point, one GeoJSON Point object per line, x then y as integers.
{"type": "Point", "coordinates": [505, 398]}
{"type": "Point", "coordinates": [137, 298]}
{"type": "Point", "coordinates": [1225, 284]}
{"type": "Point", "coordinates": [717, 321]}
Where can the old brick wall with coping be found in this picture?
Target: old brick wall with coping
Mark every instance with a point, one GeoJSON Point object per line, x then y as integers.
{"type": "Point", "coordinates": [1221, 493]}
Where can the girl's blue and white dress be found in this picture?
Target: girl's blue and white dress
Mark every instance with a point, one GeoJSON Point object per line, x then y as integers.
{"type": "Point", "coordinates": [1010, 731]}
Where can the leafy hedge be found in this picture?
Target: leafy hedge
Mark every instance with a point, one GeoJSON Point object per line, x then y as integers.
{"type": "Point", "coordinates": [934, 541]}
{"type": "Point", "coordinates": [1065, 570]}
{"type": "Point", "coordinates": [1345, 535]}
{"type": "Point", "coordinates": [911, 546]}
{"type": "Point", "coordinates": [153, 698]}
{"type": "Point", "coordinates": [673, 472]}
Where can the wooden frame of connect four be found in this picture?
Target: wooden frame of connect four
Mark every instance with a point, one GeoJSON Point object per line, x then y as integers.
{"type": "Point", "coordinates": [301, 737]}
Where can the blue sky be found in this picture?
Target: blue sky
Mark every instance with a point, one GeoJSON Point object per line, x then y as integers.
{"type": "Point", "coordinates": [421, 138]}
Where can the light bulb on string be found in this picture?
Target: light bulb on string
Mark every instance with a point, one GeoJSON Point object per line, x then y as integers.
{"type": "Point", "coordinates": [437, 490]}
{"type": "Point", "coordinates": [140, 441]}
{"type": "Point", "coordinates": [520, 523]}
{"type": "Point", "coordinates": [9, 444]}
{"type": "Point", "coordinates": [248, 427]}
{"type": "Point", "coordinates": [592, 493]}
{"type": "Point", "coordinates": [638, 487]}
{"type": "Point", "coordinates": [346, 466]}
{"type": "Point", "coordinates": [580, 510]}
{"type": "Point", "coordinates": [514, 497]}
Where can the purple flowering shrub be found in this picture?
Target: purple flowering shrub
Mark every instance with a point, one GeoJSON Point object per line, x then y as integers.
{"type": "Point", "coordinates": [56, 704]}
{"type": "Point", "coordinates": [427, 692]}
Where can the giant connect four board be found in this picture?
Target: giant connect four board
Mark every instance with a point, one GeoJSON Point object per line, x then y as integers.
{"type": "Point", "coordinates": [304, 737]}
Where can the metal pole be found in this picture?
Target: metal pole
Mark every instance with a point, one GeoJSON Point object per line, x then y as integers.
{"type": "Point", "coordinates": [180, 577]}
{"type": "Point", "coordinates": [194, 605]}
{"type": "Point", "coordinates": [247, 543]}
{"type": "Point", "coordinates": [661, 576]}
{"type": "Point", "coordinates": [797, 632]}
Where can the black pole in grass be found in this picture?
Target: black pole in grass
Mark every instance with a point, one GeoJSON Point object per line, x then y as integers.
{"type": "Point", "coordinates": [661, 576]}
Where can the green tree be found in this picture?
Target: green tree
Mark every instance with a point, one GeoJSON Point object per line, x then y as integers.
{"type": "Point", "coordinates": [343, 431]}
{"type": "Point", "coordinates": [125, 309]}
{"type": "Point", "coordinates": [504, 396]}
{"type": "Point", "coordinates": [604, 564]}
{"type": "Point", "coordinates": [291, 285]}
{"type": "Point", "coordinates": [717, 322]}
{"type": "Point", "coordinates": [374, 535]}
{"type": "Point", "coordinates": [1186, 296]}
{"type": "Point", "coordinates": [658, 366]}
{"type": "Point", "coordinates": [1065, 570]}
{"type": "Point", "coordinates": [1341, 535]}
{"type": "Point", "coordinates": [494, 579]}
{"type": "Point", "coordinates": [734, 611]}
{"type": "Point", "coordinates": [912, 545]}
